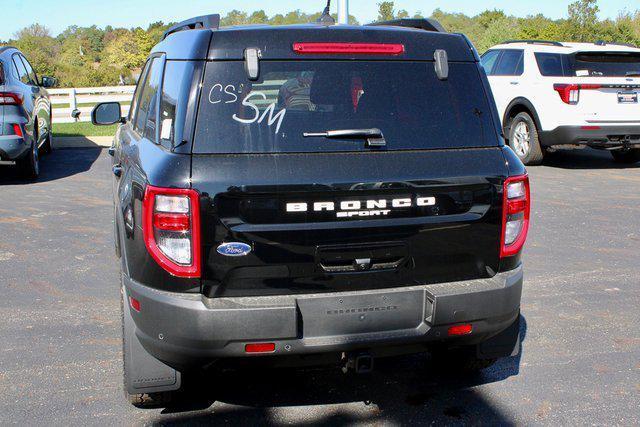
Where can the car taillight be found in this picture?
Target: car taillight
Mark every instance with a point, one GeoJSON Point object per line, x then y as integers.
{"type": "Point", "coordinates": [17, 130]}
{"type": "Point", "coordinates": [349, 48]}
{"type": "Point", "coordinates": [570, 93]}
{"type": "Point", "coordinates": [10, 98]}
{"type": "Point", "coordinates": [515, 216]}
{"type": "Point", "coordinates": [171, 228]}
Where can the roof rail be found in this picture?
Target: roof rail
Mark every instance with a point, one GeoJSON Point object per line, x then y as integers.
{"type": "Point", "coordinates": [422, 24]}
{"type": "Point", "coordinates": [206, 21]}
{"type": "Point", "coordinates": [547, 42]}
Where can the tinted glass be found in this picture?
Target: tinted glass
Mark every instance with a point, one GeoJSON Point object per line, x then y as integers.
{"type": "Point", "coordinates": [552, 64]}
{"type": "Point", "coordinates": [136, 96]}
{"type": "Point", "coordinates": [148, 103]}
{"type": "Point", "coordinates": [510, 64]}
{"type": "Point", "coordinates": [32, 75]}
{"type": "Point", "coordinates": [489, 60]}
{"type": "Point", "coordinates": [20, 70]}
{"type": "Point", "coordinates": [405, 100]}
{"type": "Point", "coordinates": [607, 64]}
{"type": "Point", "coordinates": [175, 99]}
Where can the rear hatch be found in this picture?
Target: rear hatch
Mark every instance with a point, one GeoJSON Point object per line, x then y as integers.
{"type": "Point", "coordinates": [326, 214]}
{"type": "Point", "coordinates": [609, 85]}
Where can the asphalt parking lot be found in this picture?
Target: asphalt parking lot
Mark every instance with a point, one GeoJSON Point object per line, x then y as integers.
{"type": "Point", "coordinates": [580, 362]}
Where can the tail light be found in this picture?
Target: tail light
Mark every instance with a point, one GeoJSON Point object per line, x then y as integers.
{"type": "Point", "coordinates": [171, 226]}
{"type": "Point", "coordinates": [515, 216]}
{"type": "Point", "coordinates": [10, 98]}
{"type": "Point", "coordinates": [570, 93]}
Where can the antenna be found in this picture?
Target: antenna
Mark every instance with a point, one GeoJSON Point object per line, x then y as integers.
{"type": "Point", "coordinates": [326, 18]}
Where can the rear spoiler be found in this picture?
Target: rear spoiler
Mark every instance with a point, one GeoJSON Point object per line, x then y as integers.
{"type": "Point", "coordinates": [199, 22]}
{"type": "Point", "coordinates": [421, 24]}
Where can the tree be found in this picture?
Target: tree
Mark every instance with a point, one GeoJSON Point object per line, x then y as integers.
{"type": "Point", "coordinates": [583, 18]}
{"type": "Point", "coordinates": [386, 11]}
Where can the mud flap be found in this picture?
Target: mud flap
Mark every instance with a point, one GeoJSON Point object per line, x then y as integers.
{"type": "Point", "coordinates": [143, 373]}
{"type": "Point", "coordinates": [505, 344]}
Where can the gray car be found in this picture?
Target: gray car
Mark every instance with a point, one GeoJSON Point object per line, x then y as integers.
{"type": "Point", "coordinates": [25, 111]}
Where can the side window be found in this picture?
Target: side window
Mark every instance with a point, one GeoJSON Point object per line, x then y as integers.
{"type": "Point", "coordinates": [148, 103]}
{"type": "Point", "coordinates": [511, 63]}
{"type": "Point", "coordinates": [489, 60]}
{"type": "Point", "coordinates": [32, 75]}
{"type": "Point", "coordinates": [136, 95]}
{"type": "Point", "coordinates": [20, 70]}
{"type": "Point", "coordinates": [551, 64]}
{"type": "Point", "coordinates": [175, 99]}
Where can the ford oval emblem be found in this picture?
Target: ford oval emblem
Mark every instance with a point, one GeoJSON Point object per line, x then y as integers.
{"type": "Point", "coordinates": [234, 249]}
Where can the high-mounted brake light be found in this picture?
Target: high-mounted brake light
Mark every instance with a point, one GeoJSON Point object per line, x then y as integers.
{"type": "Point", "coordinates": [171, 228]}
{"type": "Point", "coordinates": [349, 48]}
{"type": "Point", "coordinates": [570, 93]}
{"type": "Point", "coordinates": [10, 98]}
{"type": "Point", "coordinates": [515, 215]}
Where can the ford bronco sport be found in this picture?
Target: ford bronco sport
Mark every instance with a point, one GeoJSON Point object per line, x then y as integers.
{"type": "Point", "coordinates": [314, 190]}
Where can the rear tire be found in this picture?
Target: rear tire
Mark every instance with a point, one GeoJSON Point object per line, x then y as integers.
{"type": "Point", "coordinates": [48, 145]}
{"type": "Point", "coordinates": [29, 165]}
{"type": "Point", "coordinates": [626, 156]}
{"type": "Point", "coordinates": [525, 140]}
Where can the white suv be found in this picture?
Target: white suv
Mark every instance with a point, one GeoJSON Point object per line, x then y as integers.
{"type": "Point", "coordinates": [552, 94]}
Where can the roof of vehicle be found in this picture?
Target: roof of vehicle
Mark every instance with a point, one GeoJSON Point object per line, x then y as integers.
{"type": "Point", "coordinates": [276, 42]}
{"type": "Point", "coordinates": [565, 47]}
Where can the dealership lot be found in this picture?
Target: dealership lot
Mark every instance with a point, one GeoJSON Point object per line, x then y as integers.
{"type": "Point", "coordinates": [580, 363]}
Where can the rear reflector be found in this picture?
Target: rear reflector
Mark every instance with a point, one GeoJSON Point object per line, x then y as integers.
{"type": "Point", "coordinates": [349, 48]}
{"type": "Point", "coordinates": [515, 216]}
{"type": "Point", "coordinates": [17, 130]}
{"type": "Point", "coordinates": [260, 348]}
{"type": "Point", "coordinates": [135, 304]}
{"type": "Point", "coordinates": [460, 330]}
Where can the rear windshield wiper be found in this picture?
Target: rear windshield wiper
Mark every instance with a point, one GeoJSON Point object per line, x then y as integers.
{"type": "Point", "coordinates": [373, 136]}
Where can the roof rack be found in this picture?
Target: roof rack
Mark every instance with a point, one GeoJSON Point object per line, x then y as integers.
{"type": "Point", "coordinates": [547, 42]}
{"type": "Point", "coordinates": [422, 24]}
{"type": "Point", "coordinates": [206, 21]}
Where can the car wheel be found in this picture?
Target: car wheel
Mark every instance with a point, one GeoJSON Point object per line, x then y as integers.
{"type": "Point", "coordinates": [29, 166]}
{"type": "Point", "coordinates": [524, 139]}
{"type": "Point", "coordinates": [627, 155]}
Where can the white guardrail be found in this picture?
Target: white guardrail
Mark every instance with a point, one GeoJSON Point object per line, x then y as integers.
{"type": "Point", "coordinates": [64, 101]}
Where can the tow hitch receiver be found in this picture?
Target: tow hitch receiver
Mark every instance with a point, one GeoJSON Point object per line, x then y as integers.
{"type": "Point", "coordinates": [360, 363]}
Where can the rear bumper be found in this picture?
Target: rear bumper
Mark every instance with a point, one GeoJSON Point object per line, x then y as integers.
{"type": "Point", "coordinates": [189, 330]}
{"type": "Point", "coordinates": [597, 136]}
{"type": "Point", "coordinates": [12, 147]}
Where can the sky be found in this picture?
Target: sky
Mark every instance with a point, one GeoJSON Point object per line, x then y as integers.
{"type": "Point", "coordinates": [59, 14]}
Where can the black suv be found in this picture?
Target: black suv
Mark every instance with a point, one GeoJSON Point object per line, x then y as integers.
{"type": "Point", "coordinates": [339, 192]}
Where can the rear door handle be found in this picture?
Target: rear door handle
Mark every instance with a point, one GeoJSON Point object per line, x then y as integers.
{"type": "Point", "coordinates": [117, 170]}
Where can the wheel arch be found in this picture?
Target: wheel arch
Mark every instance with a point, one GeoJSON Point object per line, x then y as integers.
{"type": "Point", "coordinates": [517, 106]}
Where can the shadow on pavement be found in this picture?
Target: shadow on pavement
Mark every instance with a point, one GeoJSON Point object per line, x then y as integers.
{"type": "Point", "coordinates": [586, 158]}
{"type": "Point", "coordinates": [57, 165]}
{"type": "Point", "coordinates": [404, 390]}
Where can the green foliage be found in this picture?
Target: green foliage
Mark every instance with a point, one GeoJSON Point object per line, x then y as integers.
{"type": "Point", "coordinates": [91, 56]}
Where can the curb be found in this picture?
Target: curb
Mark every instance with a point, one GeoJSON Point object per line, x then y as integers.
{"type": "Point", "coordinates": [82, 142]}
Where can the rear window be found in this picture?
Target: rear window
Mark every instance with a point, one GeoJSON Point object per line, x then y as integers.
{"type": "Point", "coordinates": [589, 64]}
{"type": "Point", "coordinates": [404, 99]}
